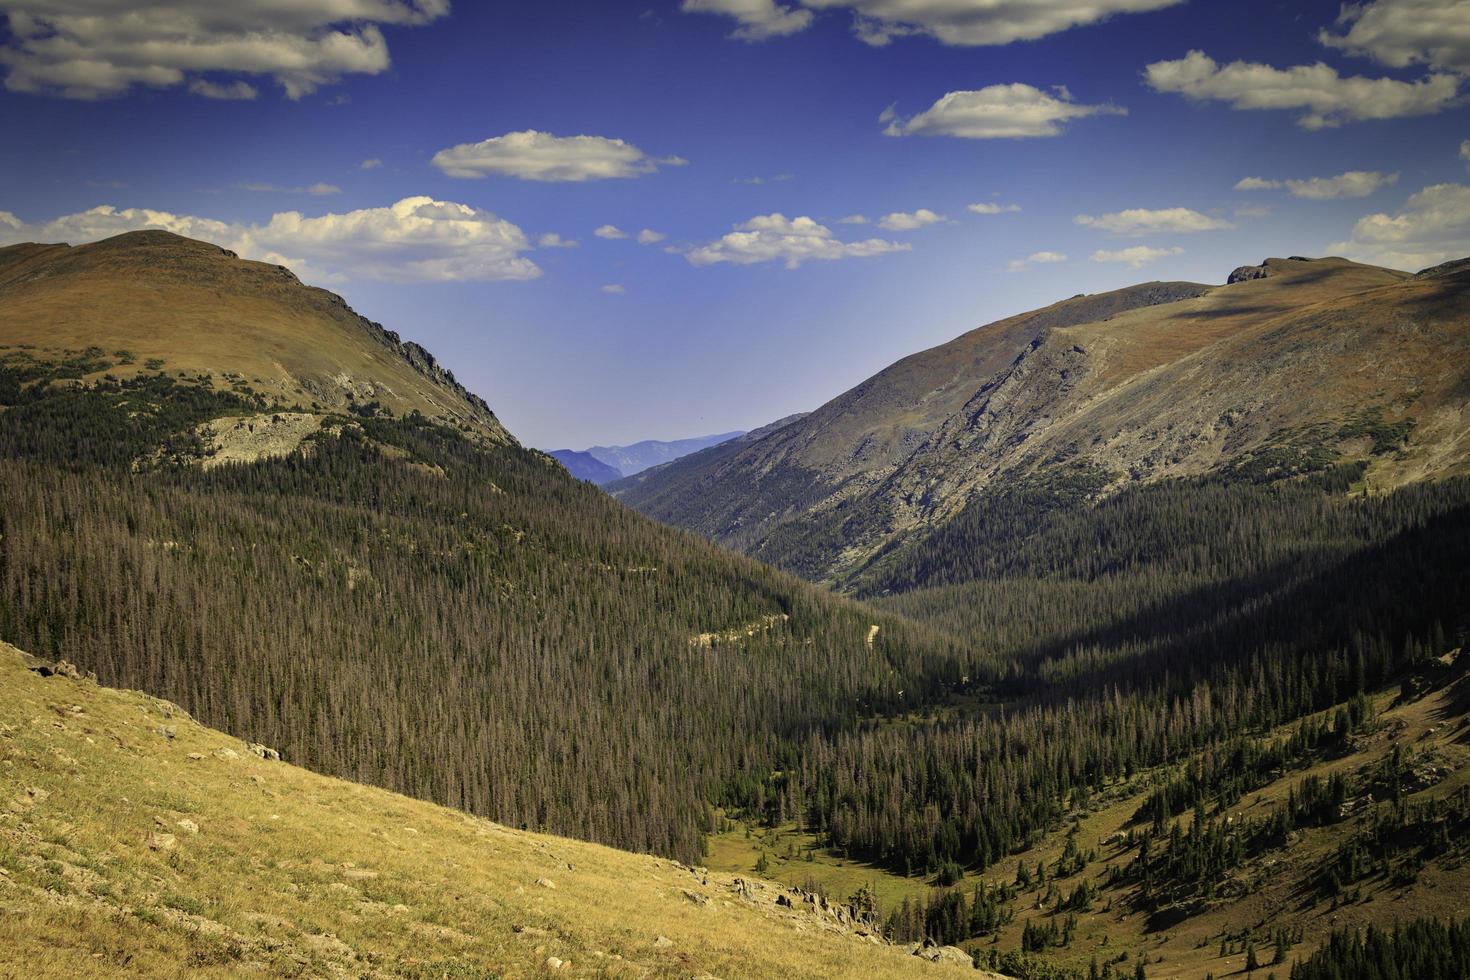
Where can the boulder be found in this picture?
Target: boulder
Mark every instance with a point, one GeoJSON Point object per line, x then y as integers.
{"type": "Point", "coordinates": [265, 752]}
{"type": "Point", "coordinates": [162, 842]}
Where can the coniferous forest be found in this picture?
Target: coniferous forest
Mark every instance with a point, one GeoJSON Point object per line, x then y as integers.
{"type": "Point", "coordinates": [403, 605]}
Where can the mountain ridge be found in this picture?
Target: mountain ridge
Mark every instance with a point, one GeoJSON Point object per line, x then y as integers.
{"type": "Point", "coordinates": [1112, 386]}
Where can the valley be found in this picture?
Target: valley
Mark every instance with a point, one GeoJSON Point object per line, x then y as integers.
{"type": "Point", "coordinates": [1084, 723]}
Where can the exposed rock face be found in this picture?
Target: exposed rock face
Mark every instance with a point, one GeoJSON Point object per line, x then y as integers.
{"type": "Point", "coordinates": [1246, 273]}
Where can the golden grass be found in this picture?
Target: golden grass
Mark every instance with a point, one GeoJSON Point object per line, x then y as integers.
{"type": "Point", "coordinates": [292, 873]}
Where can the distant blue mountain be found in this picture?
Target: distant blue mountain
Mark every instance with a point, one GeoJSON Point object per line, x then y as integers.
{"type": "Point", "coordinates": [585, 466]}
{"type": "Point", "coordinates": [638, 457]}
{"type": "Point", "coordinates": [603, 464]}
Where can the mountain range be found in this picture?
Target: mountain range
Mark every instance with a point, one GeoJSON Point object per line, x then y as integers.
{"type": "Point", "coordinates": [1125, 638]}
{"type": "Point", "coordinates": [604, 464]}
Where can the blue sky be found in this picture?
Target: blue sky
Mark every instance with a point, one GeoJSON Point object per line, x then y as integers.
{"type": "Point", "coordinates": [1108, 143]}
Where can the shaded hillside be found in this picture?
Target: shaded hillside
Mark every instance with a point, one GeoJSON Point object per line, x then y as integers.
{"type": "Point", "coordinates": [585, 466]}
{"type": "Point", "coordinates": [381, 595]}
{"type": "Point", "coordinates": [137, 842]}
{"type": "Point", "coordinates": [1314, 363]}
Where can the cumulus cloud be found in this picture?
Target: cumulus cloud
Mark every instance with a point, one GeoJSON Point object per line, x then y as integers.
{"type": "Point", "coordinates": [1328, 98]}
{"type": "Point", "coordinates": [552, 240]}
{"type": "Point", "coordinates": [614, 289]}
{"type": "Point", "coordinates": [775, 237]}
{"type": "Point", "coordinates": [372, 163]}
{"type": "Point", "coordinates": [954, 22]}
{"type": "Point", "coordinates": [611, 232]}
{"type": "Point", "coordinates": [1144, 221]}
{"type": "Point", "coordinates": [418, 239]}
{"type": "Point", "coordinates": [1402, 33]}
{"type": "Point", "coordinates": [1354, 183]}
{"type": "Point", "coordinates": [1035, 258]}
{"type": "Point", "coordinates": [532, 155]}
{"type": "Point", "coordinates": [993, 208]}
{"type": "Point", "coordinates": [1432, 227]}
{"type": "Point", "coordinates": [999, 112]}
{"type": "Point", "coordinates": [1137, 256]}
{"type": "Point", "coordinates": [909, 220]}
{"type": "Point", "coordinates": [88, 49]}
{"type": "Point", "coordinates": [853, 219]}
{"type": "Point", "coordinates": [758, 19]}
{"type": "Point", "coordinates": [650, 237]}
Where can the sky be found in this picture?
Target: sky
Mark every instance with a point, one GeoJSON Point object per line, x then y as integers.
{"type": "Point", "coordinates": [662, 218]}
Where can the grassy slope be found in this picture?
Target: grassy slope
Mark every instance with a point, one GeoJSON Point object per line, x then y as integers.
{"type": "Point", "coordinates": [1189, 950]}
{"type": "Point", "coordinates": [294, 873]}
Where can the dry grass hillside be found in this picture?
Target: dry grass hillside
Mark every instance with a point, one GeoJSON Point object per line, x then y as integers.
{"type": "Point", "coordinates": [136, 842]}
{"type": "Point", "coordinates": [1160, 380]}
{"type": "Point", "coordinates": [187, 307]}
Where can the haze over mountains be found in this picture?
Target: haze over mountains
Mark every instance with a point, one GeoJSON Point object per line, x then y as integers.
{"type": "Point", "coordinates": [604, 464]}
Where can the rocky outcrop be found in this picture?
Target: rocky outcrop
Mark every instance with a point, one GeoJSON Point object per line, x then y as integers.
{"type": "Point", "coordinates": [1246, 273]}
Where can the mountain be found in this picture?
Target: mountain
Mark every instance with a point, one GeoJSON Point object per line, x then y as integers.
{"type": "Point", "coordinates": [1296, 364]}
{"type": "Point", "coordinates": [223, 487]}
{"type": "Point", "coordinates": [1112, 691]}
{"type": "Point", "coordinates": [152, 295]}
{"type": "Point", "coordinates": [136, 841]}
{"type": "Point", "coordinates": [585, 466]}
{"type": "Point", "coordinates": [628, 460]}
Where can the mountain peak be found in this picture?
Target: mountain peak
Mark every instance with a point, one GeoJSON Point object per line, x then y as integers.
{"type": "Point", "coordinates": [183, 305]}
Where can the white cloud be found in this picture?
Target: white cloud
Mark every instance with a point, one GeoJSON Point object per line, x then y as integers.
{"type": "Point", "coordinates": [993, 208]}
{"type": "Point", "coordinates": [372, 163]}
{"type": "Point", "coordinates": [319, 189]}
{"type": "Point", "coordinates": [1328, 98]}
{"type": "Point", "coordinates": [1144, 221]}
{"type": "Point", "coordinates": [999, 112]}
{"type": "Point", "coordinates": [909, 220]}
{"type": "Point", "coordinates": [613, 289]}
{"type": "Point", "coordinates": [1432, 227]}
{"type": "Point", "coordinates": [955, 22]}
{"type": "Point", "coordinates": [758, 181]}
{"type": "Point", "coordinates": [552, 240]}
{"type": "Point", "coordinates": [853, 219]}
{"type": "Point", "coordinates": [774, 237]}
{"type": "Point", "coordinates": [1465, 152]}
{"type": "Point", "coordinates": [88, 49]}
{"type": "Point", "coordinates": [418, 239]}
{"type": "Point", "coordinates": [650, 237]}
{"type": "Point", "coordinates": [1401, 33]}
{"type": "Point", "coordinates": [239, 91]}
{"type": "Point", "coordinates": [758, 19]}
{"type": "Point", "coordinates": [532, 155]}
{"type": "Point", "coordinates": [1137, 256]}
{"type": "Point", "coordinates": [610, 232]}
{"type": "Point", "coordinates": [1354, 183]}
{"type": "Point", "coordinates": [1036, 258]}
